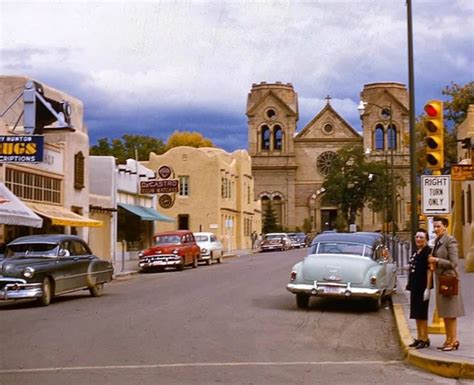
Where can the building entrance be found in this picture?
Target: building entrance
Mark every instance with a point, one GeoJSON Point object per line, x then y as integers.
{"type": "Point", "coordinates": [328, 219]}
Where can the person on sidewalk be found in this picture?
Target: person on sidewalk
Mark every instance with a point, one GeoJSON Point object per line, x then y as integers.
{"type": "Point", "coordinates": [419, 284]}
{"type": "Point", "coordinates": [444, 261]}
{"type": "Point", "coordinates": [253, 238]}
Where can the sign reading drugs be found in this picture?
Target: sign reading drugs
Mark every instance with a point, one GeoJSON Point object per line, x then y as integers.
{"type": "Point", "coordinates": [21, 148]}
{"type": "Point", "coordinates": [436, 194]}
{"type": "Point", "coordinates": [159, 186]}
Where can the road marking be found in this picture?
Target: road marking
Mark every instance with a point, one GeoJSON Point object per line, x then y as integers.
{"type": "Point", "coordinates": [197, 364]}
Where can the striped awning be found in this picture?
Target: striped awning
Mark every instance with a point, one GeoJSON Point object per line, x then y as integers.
{"type": "Point", "coordinates": [14, 212]}
{"type": "Point", "coordinates": [61, 216]}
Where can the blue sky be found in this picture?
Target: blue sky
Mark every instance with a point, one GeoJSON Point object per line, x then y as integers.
{"type": "Point", "coordinates": [153, 67]}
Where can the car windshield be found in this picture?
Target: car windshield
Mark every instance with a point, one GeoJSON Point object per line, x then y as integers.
{"type": "Point", "coordinates": [32, 250]}
{"type": "Point", "coordinates": [167, 239]}
{"type": "Point", "coordinates": [341, 248]}
{"type": "Point", "coordinates": [201, 238]}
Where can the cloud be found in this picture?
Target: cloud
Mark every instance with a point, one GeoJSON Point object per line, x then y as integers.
{"type": "Point", "coordinates": [188, 64]}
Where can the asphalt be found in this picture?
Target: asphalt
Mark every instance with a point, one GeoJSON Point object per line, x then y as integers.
{"type": "Point", "coordinates": [455, 364]}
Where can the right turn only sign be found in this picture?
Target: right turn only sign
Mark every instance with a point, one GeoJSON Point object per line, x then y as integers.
{"type": "Point", "coordinates": [436, 194]}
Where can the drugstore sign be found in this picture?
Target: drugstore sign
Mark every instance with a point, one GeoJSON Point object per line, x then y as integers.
{"type": "Point", "coordinates": [21, 148]}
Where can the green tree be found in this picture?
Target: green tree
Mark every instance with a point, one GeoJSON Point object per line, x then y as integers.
{"type": "Point", "coordinates": [460, 97]}
{"type": "Point", "coordinates": [188, 138]}
{"type": "Point", "coordinates": [126, 147]}
{"type": "Point", "coordinates": [353, 182]}
{"type": "Point", "coordinates": [269, 220]}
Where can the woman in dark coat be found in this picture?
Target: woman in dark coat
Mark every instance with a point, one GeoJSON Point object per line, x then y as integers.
{"type": "Point", "coordinates": [419, 283]}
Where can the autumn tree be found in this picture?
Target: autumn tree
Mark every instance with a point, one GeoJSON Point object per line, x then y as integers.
{"type": "Point", "coordinates": [128, 147]}
{"type": "Point", "coordinates": [188, 138]}
{"type": "Point", "coordinates": [460, 97]}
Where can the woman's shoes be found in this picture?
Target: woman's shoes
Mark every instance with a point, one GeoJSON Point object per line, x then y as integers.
{"type": "Point", "coordinates": [442, 346]}
{"type": "Point", "coordinates": [423, 344]}
{"type": "Point", "coordinates": [451, 346]}
{"type": "Point", "coordinates": [414, 343]}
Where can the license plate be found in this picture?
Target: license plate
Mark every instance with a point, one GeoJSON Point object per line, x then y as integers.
{"type": "Point", "coordinates": [332, 290]}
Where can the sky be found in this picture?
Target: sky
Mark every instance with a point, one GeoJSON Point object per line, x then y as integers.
{"type": "Point", "coordinates": [153, 67]}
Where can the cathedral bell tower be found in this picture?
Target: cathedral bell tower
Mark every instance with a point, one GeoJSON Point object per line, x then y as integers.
{"type": "Point", "coordinates": [272, 111]}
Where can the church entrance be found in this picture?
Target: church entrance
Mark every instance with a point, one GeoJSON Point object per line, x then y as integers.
{"type": "Point", "coordinates": [328, 219]}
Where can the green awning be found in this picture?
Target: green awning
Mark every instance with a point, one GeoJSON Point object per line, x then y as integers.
{"type": "Point", "coordinates": [145, 213]}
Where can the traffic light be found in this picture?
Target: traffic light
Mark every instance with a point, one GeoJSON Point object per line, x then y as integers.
{"type": "Point", "coordinates": [434, 135]}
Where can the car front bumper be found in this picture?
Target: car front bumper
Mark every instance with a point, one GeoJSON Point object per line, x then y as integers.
{"type": "Point", "coordinates": [19, 289]}
{"type": "Point", "coordinates": [160, 261]}
{"type": "Point", "coordinates": [272, 247]}
{"type": "Point", "coordinates": [333, 290]}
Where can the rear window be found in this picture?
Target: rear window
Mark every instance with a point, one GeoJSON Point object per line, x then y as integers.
{"type": "Point", "coordinates": [201, 238]}
{"type": "Point", "coordinates": [273, 237]}
{"type": "Point", "coordinates": [341, 248]}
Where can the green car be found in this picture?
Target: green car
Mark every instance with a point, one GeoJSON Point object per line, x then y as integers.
{"type": "Point", "coordinates": [344, 265]}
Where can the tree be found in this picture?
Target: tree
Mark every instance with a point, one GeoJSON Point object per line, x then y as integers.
{"type": "Point", "coordinates": [188, 138]}
{"type": "Point", "coordinates": [126, 147]}
{"type": "Point", "coordinates": [269, 220]}
{"type": "Point", "coordinates": [461, 96]}
{"type": "Point", "coordinates": [353, 182]}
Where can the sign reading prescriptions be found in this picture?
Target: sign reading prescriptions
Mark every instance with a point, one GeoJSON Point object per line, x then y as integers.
{"type": "Point", "coordinates": [21, 148]}
{"type": "Point", "coordinates": [436, 194]}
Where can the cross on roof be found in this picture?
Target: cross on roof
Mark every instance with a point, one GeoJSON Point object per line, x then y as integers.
{"type": "Point", "coordinates": [328, 98]}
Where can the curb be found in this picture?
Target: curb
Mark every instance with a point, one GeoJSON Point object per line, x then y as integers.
{"type": "Point", "coordinates": [452, 368]}
{"type": "Point", "coordinates": [124, 275]}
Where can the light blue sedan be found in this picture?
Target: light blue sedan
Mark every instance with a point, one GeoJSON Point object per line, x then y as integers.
{"type": "Point", "coordinates": [350, 265]}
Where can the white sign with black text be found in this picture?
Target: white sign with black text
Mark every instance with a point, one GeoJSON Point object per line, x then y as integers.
{"type": "Point", "coordinates": [436, 194]}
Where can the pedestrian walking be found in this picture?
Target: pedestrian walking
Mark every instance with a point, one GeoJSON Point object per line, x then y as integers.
{"type": "Point", "coordinates": [253, 238]}
{"type": "Point", "coordinates": [444, 261]}
{"type": "Point", "coordinates": [419, 284]}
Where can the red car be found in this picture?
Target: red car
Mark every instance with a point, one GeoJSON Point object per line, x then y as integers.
{"type": "Point", "coordinates": [171, 249]}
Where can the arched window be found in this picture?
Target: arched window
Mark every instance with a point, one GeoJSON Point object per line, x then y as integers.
{"type": "Point", "coordinates": [392, 137]}
{"type": "Point", "coordinates": [379, 137]}
{"type": "Point", "coordinates": [277, 137]}
{"type": "Point", "coordinates": [265, 203]}
{"type": "Point", "coordinates": [265, 138]}
{"type": "Point", "coordinates": [277, 205]}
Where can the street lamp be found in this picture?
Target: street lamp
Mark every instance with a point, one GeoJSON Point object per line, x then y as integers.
{"type": "Point", "coordinates": [387, 114]}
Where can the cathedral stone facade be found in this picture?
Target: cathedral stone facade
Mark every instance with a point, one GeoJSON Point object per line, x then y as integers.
{"type": "Point", "coordinates": [290, 166]}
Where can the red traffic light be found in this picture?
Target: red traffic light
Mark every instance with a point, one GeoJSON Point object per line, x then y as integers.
{"type": "Point", "coordinates": [431, 110]}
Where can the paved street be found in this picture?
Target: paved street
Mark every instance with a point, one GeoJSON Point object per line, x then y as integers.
{"type": "Point", "coordinates": [232, 323]}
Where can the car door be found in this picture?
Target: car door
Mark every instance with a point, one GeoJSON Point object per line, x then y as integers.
{"type": "Point", "coordinates": [65, 266]}
{"type": "Point", "coordinates": [82, 258]}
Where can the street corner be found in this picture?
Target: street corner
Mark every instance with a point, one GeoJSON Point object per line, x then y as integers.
{"type": "Point", "coordinates": [402, 326]}
{"type": "Point", "coordinates": [450, 368]}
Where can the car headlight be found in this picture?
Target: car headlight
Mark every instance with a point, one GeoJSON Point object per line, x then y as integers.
{"type": "Point", "coordinates": [175, 251]}
{"type": "Point", "coordinates": [140, 254]}
{"type": "Point", "coordinates": [28, 272]}
{"type": "Point", "coordinates": [203, 250]}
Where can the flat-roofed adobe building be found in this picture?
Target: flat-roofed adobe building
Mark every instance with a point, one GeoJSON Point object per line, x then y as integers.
{"type": "Point", "coordinates": [215, 193]}
{"type": "Point", "coordinates": [56, 190]}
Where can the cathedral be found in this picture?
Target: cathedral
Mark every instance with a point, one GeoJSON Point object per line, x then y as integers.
{"type": "Point", "coordinates": [290, 165]}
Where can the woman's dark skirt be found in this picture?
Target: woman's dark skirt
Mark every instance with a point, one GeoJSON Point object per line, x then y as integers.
{"type": "Point", "coordinates": [418, 307]}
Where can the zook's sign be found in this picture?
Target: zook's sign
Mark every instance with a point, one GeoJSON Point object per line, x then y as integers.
{"type": "Point", "coordinates": [21, 149]}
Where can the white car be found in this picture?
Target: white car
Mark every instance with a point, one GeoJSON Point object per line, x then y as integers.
{"type": "Point", "coordinates": [211, 247]}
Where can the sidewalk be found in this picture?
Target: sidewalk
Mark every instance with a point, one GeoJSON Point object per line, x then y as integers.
{"type": "Point", "coordinates": [455, 364]}
{"type": "Point", "coordinates": [128, 268]}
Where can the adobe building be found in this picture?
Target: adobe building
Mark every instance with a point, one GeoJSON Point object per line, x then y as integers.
{"type": "Point", "coordinates": [215, 193]}
{"type": "Point", "coordinates": [56, 189]}
{"type": "Point", "coordinates": [290, 166]}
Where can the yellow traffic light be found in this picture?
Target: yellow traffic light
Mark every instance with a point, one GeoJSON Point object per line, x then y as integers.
{"type": "Point", "coordinates": [434, 135]}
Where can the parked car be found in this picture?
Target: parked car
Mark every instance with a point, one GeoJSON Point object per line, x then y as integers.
{"type": "Point", "coordinates": [351, 265]}
{"type": "Point", "coordinates": [44, 266]}
{"type": "Point", "coordinates": [298, 239]}
{"type": "Point", "coordinates": [211, 247]}
{"type": "Point", "coordinates": [275, 241]}
{"type": "Point", "coordinates": [170, 249]}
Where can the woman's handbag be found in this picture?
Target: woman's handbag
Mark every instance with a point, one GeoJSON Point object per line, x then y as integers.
{"type": "Point", "coordinates": [448, 285]}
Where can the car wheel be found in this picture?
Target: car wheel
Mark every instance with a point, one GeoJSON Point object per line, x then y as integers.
{"type": "Point", "coordinates": [195, 262]}
{"type": "Point", "coordinates": [302, 301]}
{"type": "Point", "coordinates": [45, 299]}
{"type": "Point", "coordinates": [376, 303]}
{"type": "Point", "coordinates": [211, 257]}
{"type": "Point", "coordinates": [97, 290]}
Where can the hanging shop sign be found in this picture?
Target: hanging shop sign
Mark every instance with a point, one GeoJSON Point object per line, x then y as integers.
{"type": "Point", "coordinates": [21, 148]}
{"type": "Point", "coordinates": [159, 186]}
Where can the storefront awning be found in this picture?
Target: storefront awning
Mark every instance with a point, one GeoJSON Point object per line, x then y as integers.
{"type": "Point", "coordinates": [14, 212]}
{"type": "Point", "coordinates": [145, 213]}
{"type": "Point", "coordinates": [62, 216]}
